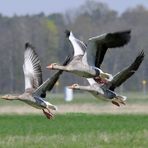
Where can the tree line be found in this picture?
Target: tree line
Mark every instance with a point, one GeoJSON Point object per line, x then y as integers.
{"type": "Point", "coordinates": [46, 33]}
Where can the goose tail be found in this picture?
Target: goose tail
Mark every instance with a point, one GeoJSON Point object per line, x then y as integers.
{"type": "Point", "coordinates": [51, 106]}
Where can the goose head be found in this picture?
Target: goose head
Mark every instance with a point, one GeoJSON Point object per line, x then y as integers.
{"type": "Point", "coordinates": [9, 97]}
{"type": "Point", "coordinates": [74, 86]}
{"type": "Point", "coordinates": [53, 66]}
{"type": "Point", "coordinates": [67, 32]}
{"type": "Point", "coordinates": [49, 107]}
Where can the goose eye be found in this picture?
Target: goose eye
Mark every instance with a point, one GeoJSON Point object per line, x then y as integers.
{"type": "Point", "coordinates": [55, 64]}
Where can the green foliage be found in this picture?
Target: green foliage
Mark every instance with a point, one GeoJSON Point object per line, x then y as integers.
{"type": "Point", "coordinates": [53, 38]}
{"type": "Point", "coordinates": [51, 26]}
{"type": "Point", "coordinates": [74, 130]}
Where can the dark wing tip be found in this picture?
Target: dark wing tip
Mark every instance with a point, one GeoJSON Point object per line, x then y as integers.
{"type": "Point", "coordinates": [141, 55]}
{"type": "Point", "coordinates": [126, 73]}
{"type": "Point", "coordinates": [118, 39]}
{"type": "Point", "coordinates": [128, 31]}
{"type": "Point", "coordinates": [67, 32]}
{"type": "Point", "coordinates": [138, 60]}
{"type": "Point", "coordinates": [125, 36]}
{"type": "Point", "coordinates": [28, 45]}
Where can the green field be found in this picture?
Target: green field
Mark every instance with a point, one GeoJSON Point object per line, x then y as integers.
{"type": "Point", "coordinates": [74, 130]}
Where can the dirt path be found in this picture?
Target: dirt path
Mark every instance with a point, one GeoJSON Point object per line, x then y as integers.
{"type": "Point", "coordinates": [83, 108]}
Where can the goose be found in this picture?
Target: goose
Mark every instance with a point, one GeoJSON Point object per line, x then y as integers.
{"type": "Point", "coordinates": [105, 91]}
{"type": "Point", "coordinates": [35, 90]}
{"type": "Point", "coordinates": [92, 54]}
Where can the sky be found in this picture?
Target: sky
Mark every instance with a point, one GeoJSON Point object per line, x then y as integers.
{"type": "Point", "coordinates": [23, 7]}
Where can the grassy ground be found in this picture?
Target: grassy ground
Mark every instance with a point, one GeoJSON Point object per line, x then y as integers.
{"type": "Point", "coordinates": [74, 130]}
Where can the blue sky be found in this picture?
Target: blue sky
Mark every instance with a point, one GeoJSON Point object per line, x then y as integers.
{"type": "Point", "coordinates": [22, 7]}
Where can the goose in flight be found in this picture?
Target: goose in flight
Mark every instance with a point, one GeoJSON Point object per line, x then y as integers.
{"type": "Point", "coordinates": [105, 91]}
{"type": "Point", "coordinates": [35, 90]}
{"type": "Point", "coordinates": [92, 54]}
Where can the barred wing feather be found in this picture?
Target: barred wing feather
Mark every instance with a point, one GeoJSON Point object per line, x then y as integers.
{"type": "Point", "coordinates": [32, 68]}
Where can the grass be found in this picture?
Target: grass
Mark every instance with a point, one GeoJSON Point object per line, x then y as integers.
{"type": "Point", "coordinates": [74, 130]}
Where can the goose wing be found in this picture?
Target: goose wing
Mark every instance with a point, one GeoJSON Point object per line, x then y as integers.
{"type": "Point", "coordinates": [32, 68]}
{"type": "Point", "coordinates": [97, 46]}
{"type": "Point", "coordinates": [123, 75]}
{"type": "Point", "coordinates": [78, 46]}
{"type": "Point", "coordinates": [50, 82]}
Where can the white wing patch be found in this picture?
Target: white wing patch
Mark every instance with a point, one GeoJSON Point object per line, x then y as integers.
{"type": "Point", "coordinates": [79, 47]}
{"type": "Point", "coordinates": [28, 81]}
{"type": "Point", "coordinates": [84, 59]}
{"type": "Point", "coordinates": [92, 48]}
{"type": "Point", "coordinates": [32, 69]}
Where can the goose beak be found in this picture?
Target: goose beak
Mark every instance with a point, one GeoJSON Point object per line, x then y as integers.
{"type": "Point", "coordinates": [49, 66]}
{"type": "Point", "coordinates": [6, 97]}
{"type": "Point", "coordinates": [3, 97]}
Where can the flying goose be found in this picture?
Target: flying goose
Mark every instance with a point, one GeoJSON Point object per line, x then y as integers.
{"type": "Point", "coordinates": [105, 91]}
{"type": "Point", "coordinates": [92, 54]}
{"type": "Point", "coordinates": [35, 90]}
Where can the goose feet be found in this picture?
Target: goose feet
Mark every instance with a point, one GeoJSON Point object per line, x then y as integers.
{"type": "Point", "coordinates": [106, 76]}
{"type": "Point", "coordinates": [100, 81]}
{"type": "Point", "coordinates": [48, 114]}
{"type": "Point", "coordinates": [116, 103]}
{"type": "Point", "coordinates": [119, 100]}
{"type": "Point", "coordinates": [103, 78]}
{"type": "Point", "coordinates": [122, 99]}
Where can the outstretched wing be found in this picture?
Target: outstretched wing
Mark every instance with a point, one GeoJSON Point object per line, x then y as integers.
{"type": "Point", "coordinates": [123, 75]}
{"type": "Point", "coordinates": [78, 46]}
{"type": "Point", "coordinates": [50, 82]}
{"type": "Point", "coordinates": [32, 68]}
{"type": "Point", "coordinates": [97, 46]}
